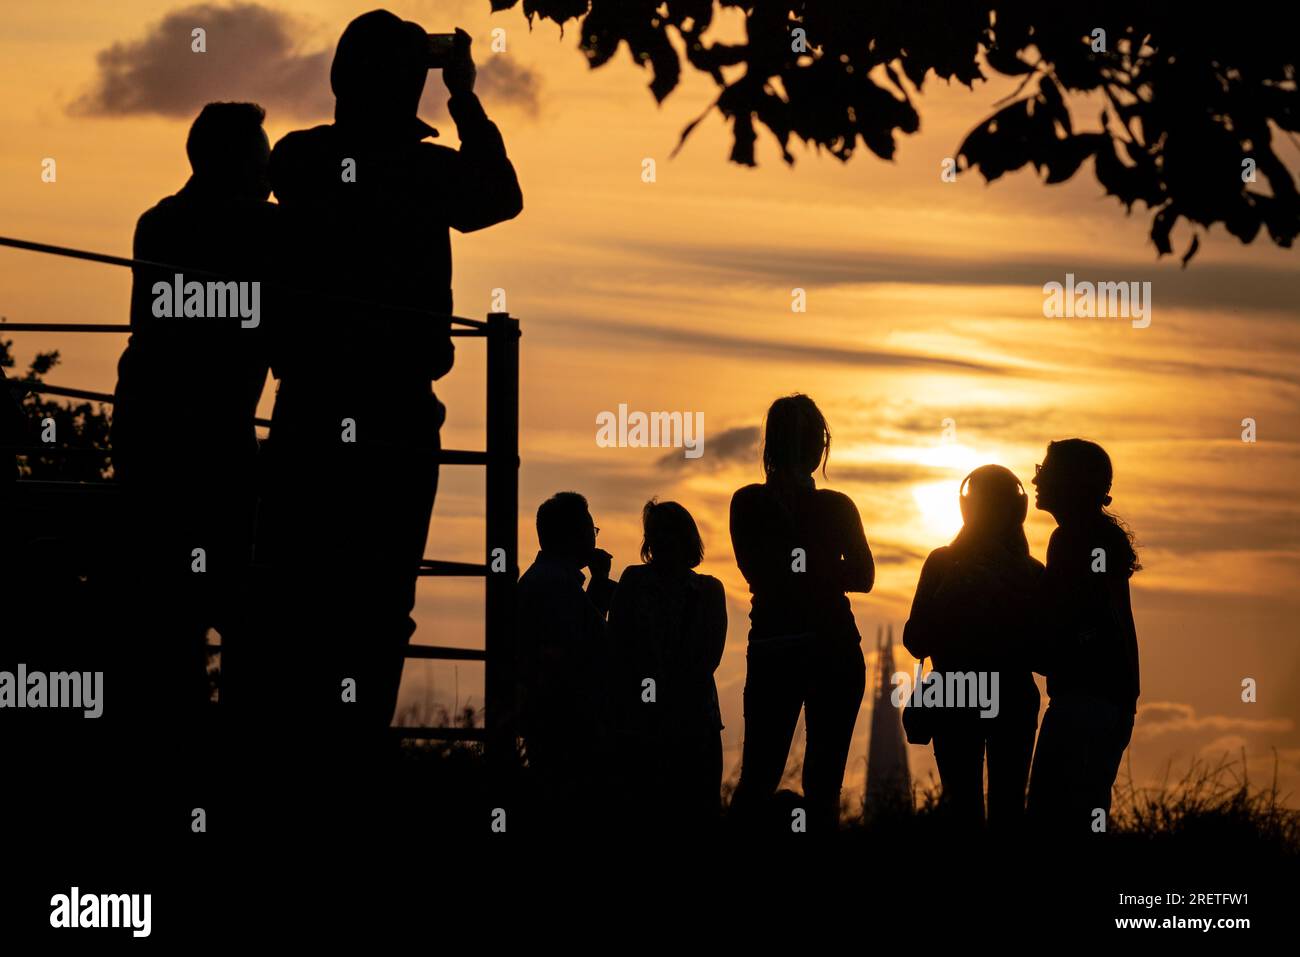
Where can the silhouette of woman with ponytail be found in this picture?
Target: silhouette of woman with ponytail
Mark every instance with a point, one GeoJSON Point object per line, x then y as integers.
{"type": "Point", "coordinates": [801, 549]}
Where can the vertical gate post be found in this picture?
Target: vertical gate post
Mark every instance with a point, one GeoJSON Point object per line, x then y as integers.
{"type": "Point", "coordinates": [502, 494]}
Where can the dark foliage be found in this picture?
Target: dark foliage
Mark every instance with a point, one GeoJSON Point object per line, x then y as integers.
{"type": "Point", "coordinates": [1190, 105]}
{"type": "Point", "coordinates": [80, 429]}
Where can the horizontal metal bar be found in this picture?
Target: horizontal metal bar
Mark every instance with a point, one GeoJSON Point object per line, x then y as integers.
{"type": "Point", "coordinates": [121, 327]}
{"type": "Point", "coordinates": [428, 652]}
{"type": "Point", "coordinates": [445, 653]}
{"type": "Point", "coordinates": [461, 457]}
{"type": "Point", "coordinates": [446, 734]}
{"type": "Point", "coordinates": [444, 456]}
{"type": "Point", "coordinates": [40, 388]}
{"type": "Point", "coordinates": [71, 253]}
{"type": "Point", "coordinates": [433, 567]}
{"type": "Point", "coordinates": [65, 327]}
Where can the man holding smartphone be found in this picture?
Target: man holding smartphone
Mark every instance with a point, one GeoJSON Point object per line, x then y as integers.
{"type": "Point", "coordinates": [352, 467]}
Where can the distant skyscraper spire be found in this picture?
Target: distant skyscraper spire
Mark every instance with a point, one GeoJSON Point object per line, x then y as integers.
{"type": "Point", "coordinates": [889, 782]}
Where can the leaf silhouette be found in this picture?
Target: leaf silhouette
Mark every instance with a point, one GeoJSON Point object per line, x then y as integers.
{"type": "Point", "coordinates": [1185, 105]}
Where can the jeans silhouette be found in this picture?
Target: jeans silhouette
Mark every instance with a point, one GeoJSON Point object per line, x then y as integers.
{"type": "Point", "coordinates": [1080, 746]}
{"type": "Point", "coordinates": [960, 744]}
{"type": "Point", "coordinates": [826, 677]}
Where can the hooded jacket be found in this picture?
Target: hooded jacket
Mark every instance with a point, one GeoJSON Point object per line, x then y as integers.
{"type": "Point", "coordinates": [371, 206]}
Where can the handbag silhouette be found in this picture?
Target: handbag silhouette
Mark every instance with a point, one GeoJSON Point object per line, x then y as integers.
{"type": "Point", "coordinates": [919, 721]}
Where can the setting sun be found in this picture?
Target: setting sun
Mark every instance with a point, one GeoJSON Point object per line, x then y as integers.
{"type": "Point", "coordinates": [938, 507]}
{"type": "Point", "coordinates": [952, 455]}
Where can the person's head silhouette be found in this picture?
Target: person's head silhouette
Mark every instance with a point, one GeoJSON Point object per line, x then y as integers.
{"type": "Point", "coordinates": [565, 529]}
{"type": "Point", "coordinates": [796, 439]}
{"type": "Point", "coordinates": [228, 150]}
{"type": "Point", "coordinates": [671, 539]}
{"type": "Point", "coordinates": [1073, 479]}
{"type": "Point", "coordinates": [1073, 484]}
{"type": "Point", "coordinates": [993, 508]}
{"type": "Point", "coordinates": [378, 73]}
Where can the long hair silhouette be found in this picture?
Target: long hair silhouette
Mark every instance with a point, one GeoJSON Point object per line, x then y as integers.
{"type": "Point", "coordinates": [973, 613]}
{"type": "Point", "coordinates": [1081, 475]}
{"type": "Point", "coordinates": [801, 549]}
{"type": "Point", "coordinates": [671, 537]}
{"type": "Point", "coordinates": [796, 438]}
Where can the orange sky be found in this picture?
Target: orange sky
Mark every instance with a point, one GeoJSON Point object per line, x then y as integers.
{"type": "Point", "coordinates": [924, 303]}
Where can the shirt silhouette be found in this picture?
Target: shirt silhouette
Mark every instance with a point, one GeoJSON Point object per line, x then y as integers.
{"type": "Point", "coordinates": [1092, 644]}
{"type": "Point", "coordinates": [800, 548]}
{"type": "Point", "coordinates": [669, 626]}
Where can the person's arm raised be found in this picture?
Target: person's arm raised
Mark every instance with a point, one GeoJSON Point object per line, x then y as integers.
{"type": "Point", "coordinates": [484, 189]}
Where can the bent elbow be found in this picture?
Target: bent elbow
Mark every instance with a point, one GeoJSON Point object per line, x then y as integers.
{"type": "Point", "coordinates": [508, 201]}
{"type": "Point", "coordinates": [861, 580]}
{"type": "Point", "coordinates": [514, 204]}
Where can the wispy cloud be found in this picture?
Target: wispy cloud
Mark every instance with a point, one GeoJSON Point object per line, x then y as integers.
{"type": "Point", "coordinates": [1228, 529]}
{"type": "Point", "coordinates": [1169, 717]}
{"type": "Point", "coordinates": [786, 349]}
{"type": "Point", "coordinates": [252, 53]}
{"type": "Point", "coordinates": [730, 446]}
{"type": "Point", "coordinates": [1204, 285]}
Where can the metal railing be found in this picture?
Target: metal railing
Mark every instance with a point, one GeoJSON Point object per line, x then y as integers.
{"type": "Point", "coordinates": [500, 459]}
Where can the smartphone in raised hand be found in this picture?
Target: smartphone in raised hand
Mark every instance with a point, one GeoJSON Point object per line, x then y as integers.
{"type": "Point", "coordinates": [441, 49]}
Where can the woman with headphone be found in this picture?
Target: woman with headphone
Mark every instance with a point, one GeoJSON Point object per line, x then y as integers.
{"type": "Point", "coordinates": [972, 614]}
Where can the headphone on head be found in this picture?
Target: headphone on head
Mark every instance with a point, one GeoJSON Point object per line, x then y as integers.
{"type": "Point", "coordinates": [1022, 496]}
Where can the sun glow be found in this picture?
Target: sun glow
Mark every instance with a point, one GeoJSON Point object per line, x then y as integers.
{"type": "Point", "coordinates": [952, 455]}
{"type": "Point", "coordinates": [937, 504]}
{"type": "Point", "coordinates": [936, 501]}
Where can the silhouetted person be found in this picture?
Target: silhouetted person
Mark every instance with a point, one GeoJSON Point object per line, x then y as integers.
{"type": "Point", "coordinates": [1090, 653]}
{"type": "Point", "coordinates": [800, 549]}
{"type": "Point", "coordinates": [562, 650]}
{"type": "Point", "coordinates": [183, 440]}
{"type": "Point", "coordinates": [973, 613]}
{"type": "Point", "coordinates": [667, 629]}
{"type": "Point", "coordinates": [355, 430]}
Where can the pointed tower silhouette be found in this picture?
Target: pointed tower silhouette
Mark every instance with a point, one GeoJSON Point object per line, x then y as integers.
{"type": "Point", "coordinates": [889, 781]}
